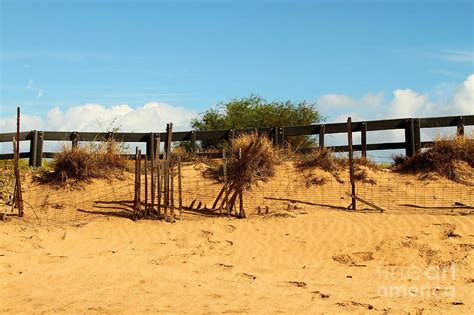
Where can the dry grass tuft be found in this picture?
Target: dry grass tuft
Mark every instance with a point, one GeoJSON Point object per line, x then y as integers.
{"type": "Point", "coordinates": [263, 149]}
{"type": "Point", "coordinates": [452, 158]}
{"type": "Point", "coordinates": [95, 160]}
{"type": "Point", "coordinates": [263, 166]}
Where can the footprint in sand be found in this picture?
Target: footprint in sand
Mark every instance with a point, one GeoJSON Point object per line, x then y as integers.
{"type": "Point", "coordinates": [246, 276]}
{"type": "Point", "coordinates": [220, 266]}
{"type": "Point", "coordinates": [299, 284]}
{"type": "Point", "coordinates": [319, 295]}
{"type": "Point", "coordinates": [230, 228]}
{"type": "Point", "coordinates": [353, 260]}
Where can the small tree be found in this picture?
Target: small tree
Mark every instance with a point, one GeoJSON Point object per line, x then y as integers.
{"type": "Point", "coordinates": [255, 112]}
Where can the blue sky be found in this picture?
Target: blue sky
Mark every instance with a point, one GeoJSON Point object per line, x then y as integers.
{"type": "Point", "coordinates": [60, 55]}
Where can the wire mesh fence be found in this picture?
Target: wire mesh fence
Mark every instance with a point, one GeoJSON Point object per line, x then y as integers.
{"type": "Point", "coordinates": [290, 189]}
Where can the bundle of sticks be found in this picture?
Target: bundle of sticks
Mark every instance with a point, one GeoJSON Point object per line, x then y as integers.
{"type": "Point", "coordinates": [240, 176]}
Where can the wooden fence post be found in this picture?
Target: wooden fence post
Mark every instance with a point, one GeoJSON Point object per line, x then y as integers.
{"type": "Point", "coordinates": [152, 174]}
{"type": "Point", "coordinates": [281, 136]}
{"type": "Point", "coordinates": [146, 210]}
{"type": "Point", "coordinates": [322, 130]}
{"type": "Point", "coordinates": [351, 163]}
{"type": "Point", "coordinates": [33, 147]}
{"type": "Point", "coordinates": [39, 149]}
{"type": "Point", "coordinates": [193, 143]}
{"type": "Point", "coordinates": [416, 135]}
{"type": "Point", "coordinates": [460, 126]}
{"type": "Point", "coordinates": [74, 139]}
{"type": "Point", "coordinates": [275, 136]}
{"type": "Point", "coordinates": [363, 138]}
{"type": "Point", "coordinates": [226, 191]}
{"type": "Point", "coordinates": [169, 139]}
{"type": "Point", "coordinates": [180, 190]}
{"type": "Point", "coordinates": [409, 137]}
{"type": "Point", "coordinates": [158, 174]}
{"type": "Point", "coordinates": [241, 195]}
{"type": "Point", "coordinates": [171, 193]}
{"type": "Point", "coordinates": [166, 180]}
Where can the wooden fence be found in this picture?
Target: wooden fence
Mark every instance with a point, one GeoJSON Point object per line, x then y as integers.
{"type": "Point", "coordinates": [411, 126]}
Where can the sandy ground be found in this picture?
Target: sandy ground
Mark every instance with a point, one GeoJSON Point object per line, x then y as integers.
{"type": "Point", "coordinates": [315, 261]}
{"type": "Point", "coordinates": [79, 251]}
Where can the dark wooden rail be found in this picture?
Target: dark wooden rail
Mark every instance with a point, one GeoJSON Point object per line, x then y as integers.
{"type": "Point", "coordinates": [412, 127]}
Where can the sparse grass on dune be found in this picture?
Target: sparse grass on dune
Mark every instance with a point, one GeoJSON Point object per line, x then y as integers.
{"type": "Point", "coordinates": [452, 158]}
{"type": "Point", "coordinates": [264, 169]}
{"type": "Point", "coordinates": [326, 160]}
{"type": "Point", "coordinates": [94, 160]}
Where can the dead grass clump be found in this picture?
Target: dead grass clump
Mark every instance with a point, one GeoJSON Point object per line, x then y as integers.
{"type": "Point", "coordinates": [266, 157]}
{"type": "Point", "coordinates": [95, 160]}
{"type": "Point", "coordinates": [263, 166]}
{"type": "Point", "coordinates": [451, 158]}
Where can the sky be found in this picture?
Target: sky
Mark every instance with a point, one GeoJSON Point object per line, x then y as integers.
{"type": "Point", "coordinates": [83, 65]}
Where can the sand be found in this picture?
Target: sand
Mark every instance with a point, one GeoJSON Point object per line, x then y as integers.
{"type": "Point", "coordinates": [79, 252]}
{"type": "Point", "coordinates": [320, 261]}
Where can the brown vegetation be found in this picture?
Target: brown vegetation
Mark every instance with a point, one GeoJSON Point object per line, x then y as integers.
{"type": "Point", "coordinates": [263, 169]}
{"type": "Point", "coordinates": [326, 160]}
{"type": "Point", "coordinates": [452, 158]}
{"type": "Point", "coordinates": [96, 160]}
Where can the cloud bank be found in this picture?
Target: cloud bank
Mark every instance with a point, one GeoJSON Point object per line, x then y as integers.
{"type": "Point", "coordinates": [152, 116]}
{"type": "Point", "coordinates": [403, 103]}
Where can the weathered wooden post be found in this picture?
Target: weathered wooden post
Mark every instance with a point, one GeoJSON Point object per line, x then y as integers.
{"type": "Point", "coordinates": [351, 163]}
{"type": "Point", "coordinates": [74, 139]}
{"type": "Point", "coordinates": [171, 188]}
{"type": "Point", "coordinates": [152, 175]}
{"type": "Point", "coordinates": [19, 194]}
{"type": "Point", "coordinates": [193, 143]}
{"type": "Point", "coordinates": [363, 139]}
{"type": "Point", "coordinates": [169, 139]}
{"type": "Point", "coordinates": [166, 180]}
{"type": "Point", "coordinates": [281, 137]}
{"type": "Point", "coordinates": [139, 182]}
{"type": "Point", "coordinates": [136, 203]}
{"type": "Point", "coordinates": [33, 147]}
{"type": "Point", "coordinates": [409, 137]}
{"type": "Point", "coordinates": [275, 135]}
{"type": "Point", "coordinates": [241, 195]}
{"type": "Point", "coordinates": [416, 136]}
{"type": "Point", "coordinates": [180, 190]}
{"type": "Point", "coordinates": [322, 130]}
{"type": "Point", "coordinates": [460, 126]}
{"type": "Point", "coordinates": [167, 162]}
{"type": "Point", "coordinates": [226, 188]}
{"type": "Point", "coordinates": [158, 173]}
{"type": "Point", "coordinates": [145, 210]}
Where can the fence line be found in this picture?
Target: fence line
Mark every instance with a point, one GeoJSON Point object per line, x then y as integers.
{"type": "Point", "coordinates": [411, 126]}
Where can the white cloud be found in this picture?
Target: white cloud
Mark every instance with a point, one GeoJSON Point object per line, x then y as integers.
{"type": "Point", "coordinates": [403, 103]}
{"type": "Point", "coordinates": [463, 99]}
{"type": "Point", "coordinates": [92, 117]}
{"type": "Point", "coordinates": [407, 103]}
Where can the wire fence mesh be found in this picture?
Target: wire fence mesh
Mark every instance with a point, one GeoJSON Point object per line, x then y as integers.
{"type": "Point", "coordinates": [290, 189]}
